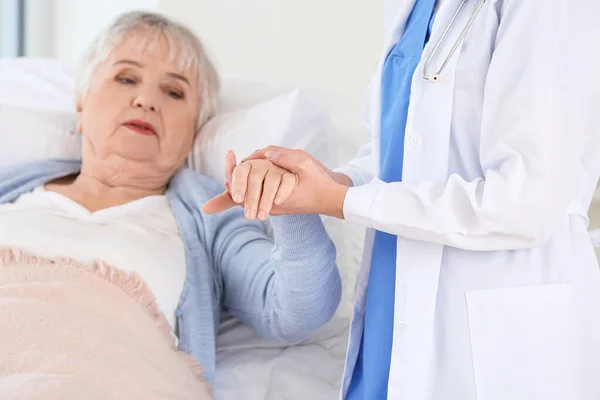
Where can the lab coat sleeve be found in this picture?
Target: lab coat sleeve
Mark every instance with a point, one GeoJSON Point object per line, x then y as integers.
{"type": "Point", "coordinates": [530, 150]}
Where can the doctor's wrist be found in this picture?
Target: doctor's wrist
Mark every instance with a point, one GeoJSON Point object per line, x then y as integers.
{"type": "Point", "coordinates": [341, 178]}
{"type": "Point", "coordinates": [334, 201]}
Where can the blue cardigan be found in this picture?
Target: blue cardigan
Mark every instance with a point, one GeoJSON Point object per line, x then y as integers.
{"type": "Point", "coordinates": [284, 289]}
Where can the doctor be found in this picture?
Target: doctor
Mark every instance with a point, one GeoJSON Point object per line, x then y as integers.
{"type": "Point", "coordinates": [479, 281]}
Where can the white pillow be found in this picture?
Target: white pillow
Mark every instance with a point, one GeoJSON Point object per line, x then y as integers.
{"type": "Point", "coordinates": [37, 118]}
{"type": "Point", "coordinates": [292, 120]}
{"type": "Point", "coordinates": [36, 83]}
{"type": "Point", "coordinates": [31, 134]}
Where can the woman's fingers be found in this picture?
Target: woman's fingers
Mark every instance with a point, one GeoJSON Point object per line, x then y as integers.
{"type": "Point", "coordinates": [288, 183]}
{"type": "Point", "coordinates": [239, 182]}
{"type": "Point", "coordinates": [271, 187]}
{"type": "Point", "coordinates": [258, 186]}
{"type": "Point", "coordinates": [230, 164]}
{"type": "Point", "coordinates": [254, 191]}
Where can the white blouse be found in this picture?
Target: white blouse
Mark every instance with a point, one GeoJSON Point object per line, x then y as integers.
{"type": "Point", "coordinates": [140, 236]}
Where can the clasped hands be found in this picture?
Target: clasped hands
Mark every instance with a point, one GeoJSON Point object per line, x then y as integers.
{"type": "Point", "coordinates": [280, 181]}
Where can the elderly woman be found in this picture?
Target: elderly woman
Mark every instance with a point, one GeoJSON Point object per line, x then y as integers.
{"type": "Point", "coordinates": [145, 89]}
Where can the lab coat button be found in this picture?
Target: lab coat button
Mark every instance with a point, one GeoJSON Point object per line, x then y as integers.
{"type": "Point", "coordinates": [415, 141]}
{"type": "Point", "coordinates": [402, 326]}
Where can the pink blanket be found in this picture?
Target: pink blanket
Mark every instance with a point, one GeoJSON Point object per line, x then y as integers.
{"type": "Point", "coordinates": [86, 331]}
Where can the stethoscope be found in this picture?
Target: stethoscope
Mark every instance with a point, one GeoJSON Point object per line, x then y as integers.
{"type": "Point", "coordinates": [435, 77]}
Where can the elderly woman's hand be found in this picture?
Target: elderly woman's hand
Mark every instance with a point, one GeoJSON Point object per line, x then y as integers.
{"type": "Point", "coordinates": [259, 186]}
{"type": "Point", "coordinates": [316, 190]}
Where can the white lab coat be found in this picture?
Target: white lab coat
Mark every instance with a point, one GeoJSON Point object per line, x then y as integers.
{"type": "Point", "coordinates": [497, 293]}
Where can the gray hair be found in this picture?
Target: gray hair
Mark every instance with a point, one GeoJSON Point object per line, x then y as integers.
{"type": "Point", "coordinates": [185, 48]}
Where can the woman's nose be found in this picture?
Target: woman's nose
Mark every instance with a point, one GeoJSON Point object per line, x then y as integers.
{"type": "Point", "coordinates": [145, 102]}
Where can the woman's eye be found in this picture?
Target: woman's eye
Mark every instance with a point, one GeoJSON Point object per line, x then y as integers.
{"type": "Point", "coordinates": [126, 81]}
{"type": "Point", "coordinates": [174, 94]}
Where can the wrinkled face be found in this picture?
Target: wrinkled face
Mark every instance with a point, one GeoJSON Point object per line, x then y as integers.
{"type": "Point", "coordinates": [140, 112]}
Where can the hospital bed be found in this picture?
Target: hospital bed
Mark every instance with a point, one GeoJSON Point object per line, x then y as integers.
{"type": "Point", "coordinates": [248, 367]}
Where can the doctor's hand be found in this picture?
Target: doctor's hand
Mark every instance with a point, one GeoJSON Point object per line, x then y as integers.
{"type": "Point", "coordinates": [318, 190]}
{"type": "Point", "coordinates": [257, 185]}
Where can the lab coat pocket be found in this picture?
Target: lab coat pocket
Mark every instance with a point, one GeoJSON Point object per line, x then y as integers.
{"type": "Point", "coordinates": [524, 342]}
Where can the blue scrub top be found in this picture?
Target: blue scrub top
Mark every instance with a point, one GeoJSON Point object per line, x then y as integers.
{"type": "Point", "coordinates": [371, 373]}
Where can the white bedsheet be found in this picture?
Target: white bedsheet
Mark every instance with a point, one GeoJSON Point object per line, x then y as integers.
{"type": "Point", "coordinates": [251, 368]}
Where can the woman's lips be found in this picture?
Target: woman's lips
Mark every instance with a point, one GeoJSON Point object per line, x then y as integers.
{"type": "Point", "coordinates": [140, 127]}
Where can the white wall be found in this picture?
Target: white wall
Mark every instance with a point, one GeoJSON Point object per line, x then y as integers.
{"type": "Point", "coordinates": [76, 23]}
{"type": "Point", "coordinates": [331, 46]}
